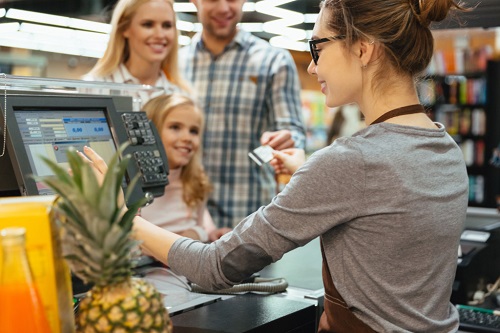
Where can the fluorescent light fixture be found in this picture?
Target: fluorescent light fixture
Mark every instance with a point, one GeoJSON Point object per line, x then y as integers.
{"type": "Point", "coordinates": [54, 32]}
{"type": "Point", "coordinates": [310, 18]}
{"type": "Point", "coordinates": [289, 15]}
{"type": "Point", "coordinates": [280, 27]}
{"type": "Point", "coordinates": [9, 27]}
{"type": "Point", "coordinates": [184, 40]}
{"type": "Point", "coordinates": [252, 27]}
{"type": "Point", "coordinates": [249, 7]}
{"type": "Point", "coordinates": [274, 3]}
{"type": "Point", "coordinates": [89, 25]}
{"type": "Point", "coordinates": [62, 21]}
{"type": "Point", "coordinates": [189, 7]}
{"type": "Point", "coordinates": [25, 15]}
{"type": "Point", "coordinates": [198, 27]}
{"type": "Point", "coordinates": [285, 43]}
{"type": "Point", "coordinates": [31, 41]}
{"type": "Point", "coordinates": [184, 7]}
{"type": "Point", "coordinates": [89, 38]}
{"type": "Point", "coordinates": [185, 25]}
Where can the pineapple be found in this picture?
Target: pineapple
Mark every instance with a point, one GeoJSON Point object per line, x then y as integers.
{"type": "Point", "coordinates": [97, 244]}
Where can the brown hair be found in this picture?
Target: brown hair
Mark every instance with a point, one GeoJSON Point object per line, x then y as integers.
{"type": "Point", "coordinates": [400, 26]}
{"type": "Point", "coordinates": [195, 182]}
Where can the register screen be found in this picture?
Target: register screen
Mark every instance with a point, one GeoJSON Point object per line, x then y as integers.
{"type": "Point", "coordinates": [51, 133]}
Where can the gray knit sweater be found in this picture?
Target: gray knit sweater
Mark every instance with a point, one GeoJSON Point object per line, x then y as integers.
{"type": "Point", "coordinates": [389, 204]}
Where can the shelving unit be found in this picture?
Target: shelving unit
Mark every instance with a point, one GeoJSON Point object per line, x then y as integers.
{"type": "Point", "coordinates": [468, 105]}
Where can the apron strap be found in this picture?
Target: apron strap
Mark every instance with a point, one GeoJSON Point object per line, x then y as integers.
{"type": "Point", "coordinates": [337, 317]}
{"type": "Point", "coordinates": [410, 109]}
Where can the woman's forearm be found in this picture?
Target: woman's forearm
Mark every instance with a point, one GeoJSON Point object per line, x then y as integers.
{"type": "Point", "coordinates": [155, 240]}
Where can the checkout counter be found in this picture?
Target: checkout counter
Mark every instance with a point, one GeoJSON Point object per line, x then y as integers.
{"type": "Point", "coordinates": [295, 310]}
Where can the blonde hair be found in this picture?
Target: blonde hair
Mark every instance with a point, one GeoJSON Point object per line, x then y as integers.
{"type": "Point", "coordinates": [195, 182]}
{"type": "Point", "coordinates": [117, 51]}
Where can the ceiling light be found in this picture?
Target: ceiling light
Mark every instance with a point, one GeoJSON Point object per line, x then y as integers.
{"type": "Point", "coordinates": [83, 31]}
{"type": "Point", "coordinates": [62, 21]}
{"type": "Point", "coordinates": [31, 41]}
{"type": "Point", "coordinates": [55, 32]}
{"type": "Point", "coordinates": [265, 7]}
{"type": "Point", "coordinates": [9, 27]}
{"type": "Point", "coordinates": [184, 40]}
{"type": "Point", "coordinates": [185, 7]}
{"type": "Point", "coordinates": [310, 18]}
{"type": "Point", "coordinates": [279, 27]}
{"type": "Point", "coordinates": [252, 27]}
{"type": "Point", "coordinates": [89, 25]}
{"type": "Point", "coordinates": [25, 15]}
{"type": "Point", "coordinates": [189, 7]}
{"type": "Point", "coordinates": [285, 43]}
{"type": "Point", "coordinates": [184, 26]}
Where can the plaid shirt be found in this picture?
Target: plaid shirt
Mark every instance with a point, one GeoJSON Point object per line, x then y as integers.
{"type": "Point", "coordinates": [250, 88]}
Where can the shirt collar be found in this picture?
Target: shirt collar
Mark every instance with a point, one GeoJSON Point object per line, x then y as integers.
{"type": "Point", "coordinates": [127, 77]}
{"type": "Point", "coordinates": [241, 39]}
{"type": "Point", "coordinates": [162, 80]}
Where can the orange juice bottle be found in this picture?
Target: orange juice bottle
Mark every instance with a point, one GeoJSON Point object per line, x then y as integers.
{"type": "Point", "coordinates": [21, 308]}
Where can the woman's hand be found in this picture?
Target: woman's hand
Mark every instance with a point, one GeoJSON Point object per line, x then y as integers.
{"type": "Point", "coordinates": [287, 161]}
{"type": "Point", "coordinates": [100, 168]}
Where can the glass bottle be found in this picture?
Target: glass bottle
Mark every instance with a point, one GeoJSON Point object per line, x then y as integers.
{"type": "Point", "coordinates": [21, 308]}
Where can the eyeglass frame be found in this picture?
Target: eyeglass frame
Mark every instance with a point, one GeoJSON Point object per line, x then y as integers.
{"type": "Point", "coordinates": [313, 42]}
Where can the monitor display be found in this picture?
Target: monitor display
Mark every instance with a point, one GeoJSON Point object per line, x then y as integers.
{"type": "Point", "coordinates": [50, 133]}
{"type": "Point", "coordinates": [47, 125]}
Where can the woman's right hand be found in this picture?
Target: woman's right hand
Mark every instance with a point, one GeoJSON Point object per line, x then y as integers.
{"type": "Point", "coordinates": [100, 168]}
{"type": "Point", "coordinates": [287, 161]}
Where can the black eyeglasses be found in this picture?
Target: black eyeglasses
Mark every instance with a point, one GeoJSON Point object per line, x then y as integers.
{"type": "Point", "coordinates": [314, 42]}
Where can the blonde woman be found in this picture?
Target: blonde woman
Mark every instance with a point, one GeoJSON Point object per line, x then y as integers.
{"type": "Point", "coordinates": [142, 47]}
{"type": "Point", "coordinates": [182, 209]}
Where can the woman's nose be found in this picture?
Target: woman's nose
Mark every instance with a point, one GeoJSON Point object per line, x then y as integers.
{"type": "Point", "coordinates": [159, 31]}
{"type": "Point", "coordinates": [311, 69]}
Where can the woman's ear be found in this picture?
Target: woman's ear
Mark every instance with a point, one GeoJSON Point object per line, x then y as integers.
{"type": "Point", "coordinates": [366, 52]}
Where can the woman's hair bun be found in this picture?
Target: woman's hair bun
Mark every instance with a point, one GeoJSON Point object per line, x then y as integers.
{"type": "Point", "coordinates": [428, 11]}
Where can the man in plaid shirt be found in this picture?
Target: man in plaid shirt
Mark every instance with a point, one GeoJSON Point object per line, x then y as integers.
{"type": "Point", "coordinates": [250, 93]}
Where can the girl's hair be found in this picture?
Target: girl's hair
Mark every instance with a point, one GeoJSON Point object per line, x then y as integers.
{"type": "Point", "coordinates": [400, 26]}
{"type": "Point", "coordinates": [118, 52]}
{"type": "Point", "coordinates": [195, 182]}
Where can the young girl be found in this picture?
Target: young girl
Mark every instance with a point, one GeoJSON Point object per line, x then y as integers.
{"type": "Point", "coordinates": [182, 209]}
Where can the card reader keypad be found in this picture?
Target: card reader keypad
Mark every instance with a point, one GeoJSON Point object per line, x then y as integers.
{"type": "Point", "coordinates": [151, 166]}
{"type": "Point", "coordinates": [138, 129]}
{"type": "Point", "coordinates": [144, 149]}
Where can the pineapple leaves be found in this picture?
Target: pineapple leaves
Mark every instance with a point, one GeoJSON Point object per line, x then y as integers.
{"type": "Point", "coordinates": [97, 226]}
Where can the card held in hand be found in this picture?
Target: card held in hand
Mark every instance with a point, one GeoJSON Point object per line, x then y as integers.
{"type": "Point", "coordinates": [261, 155]}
